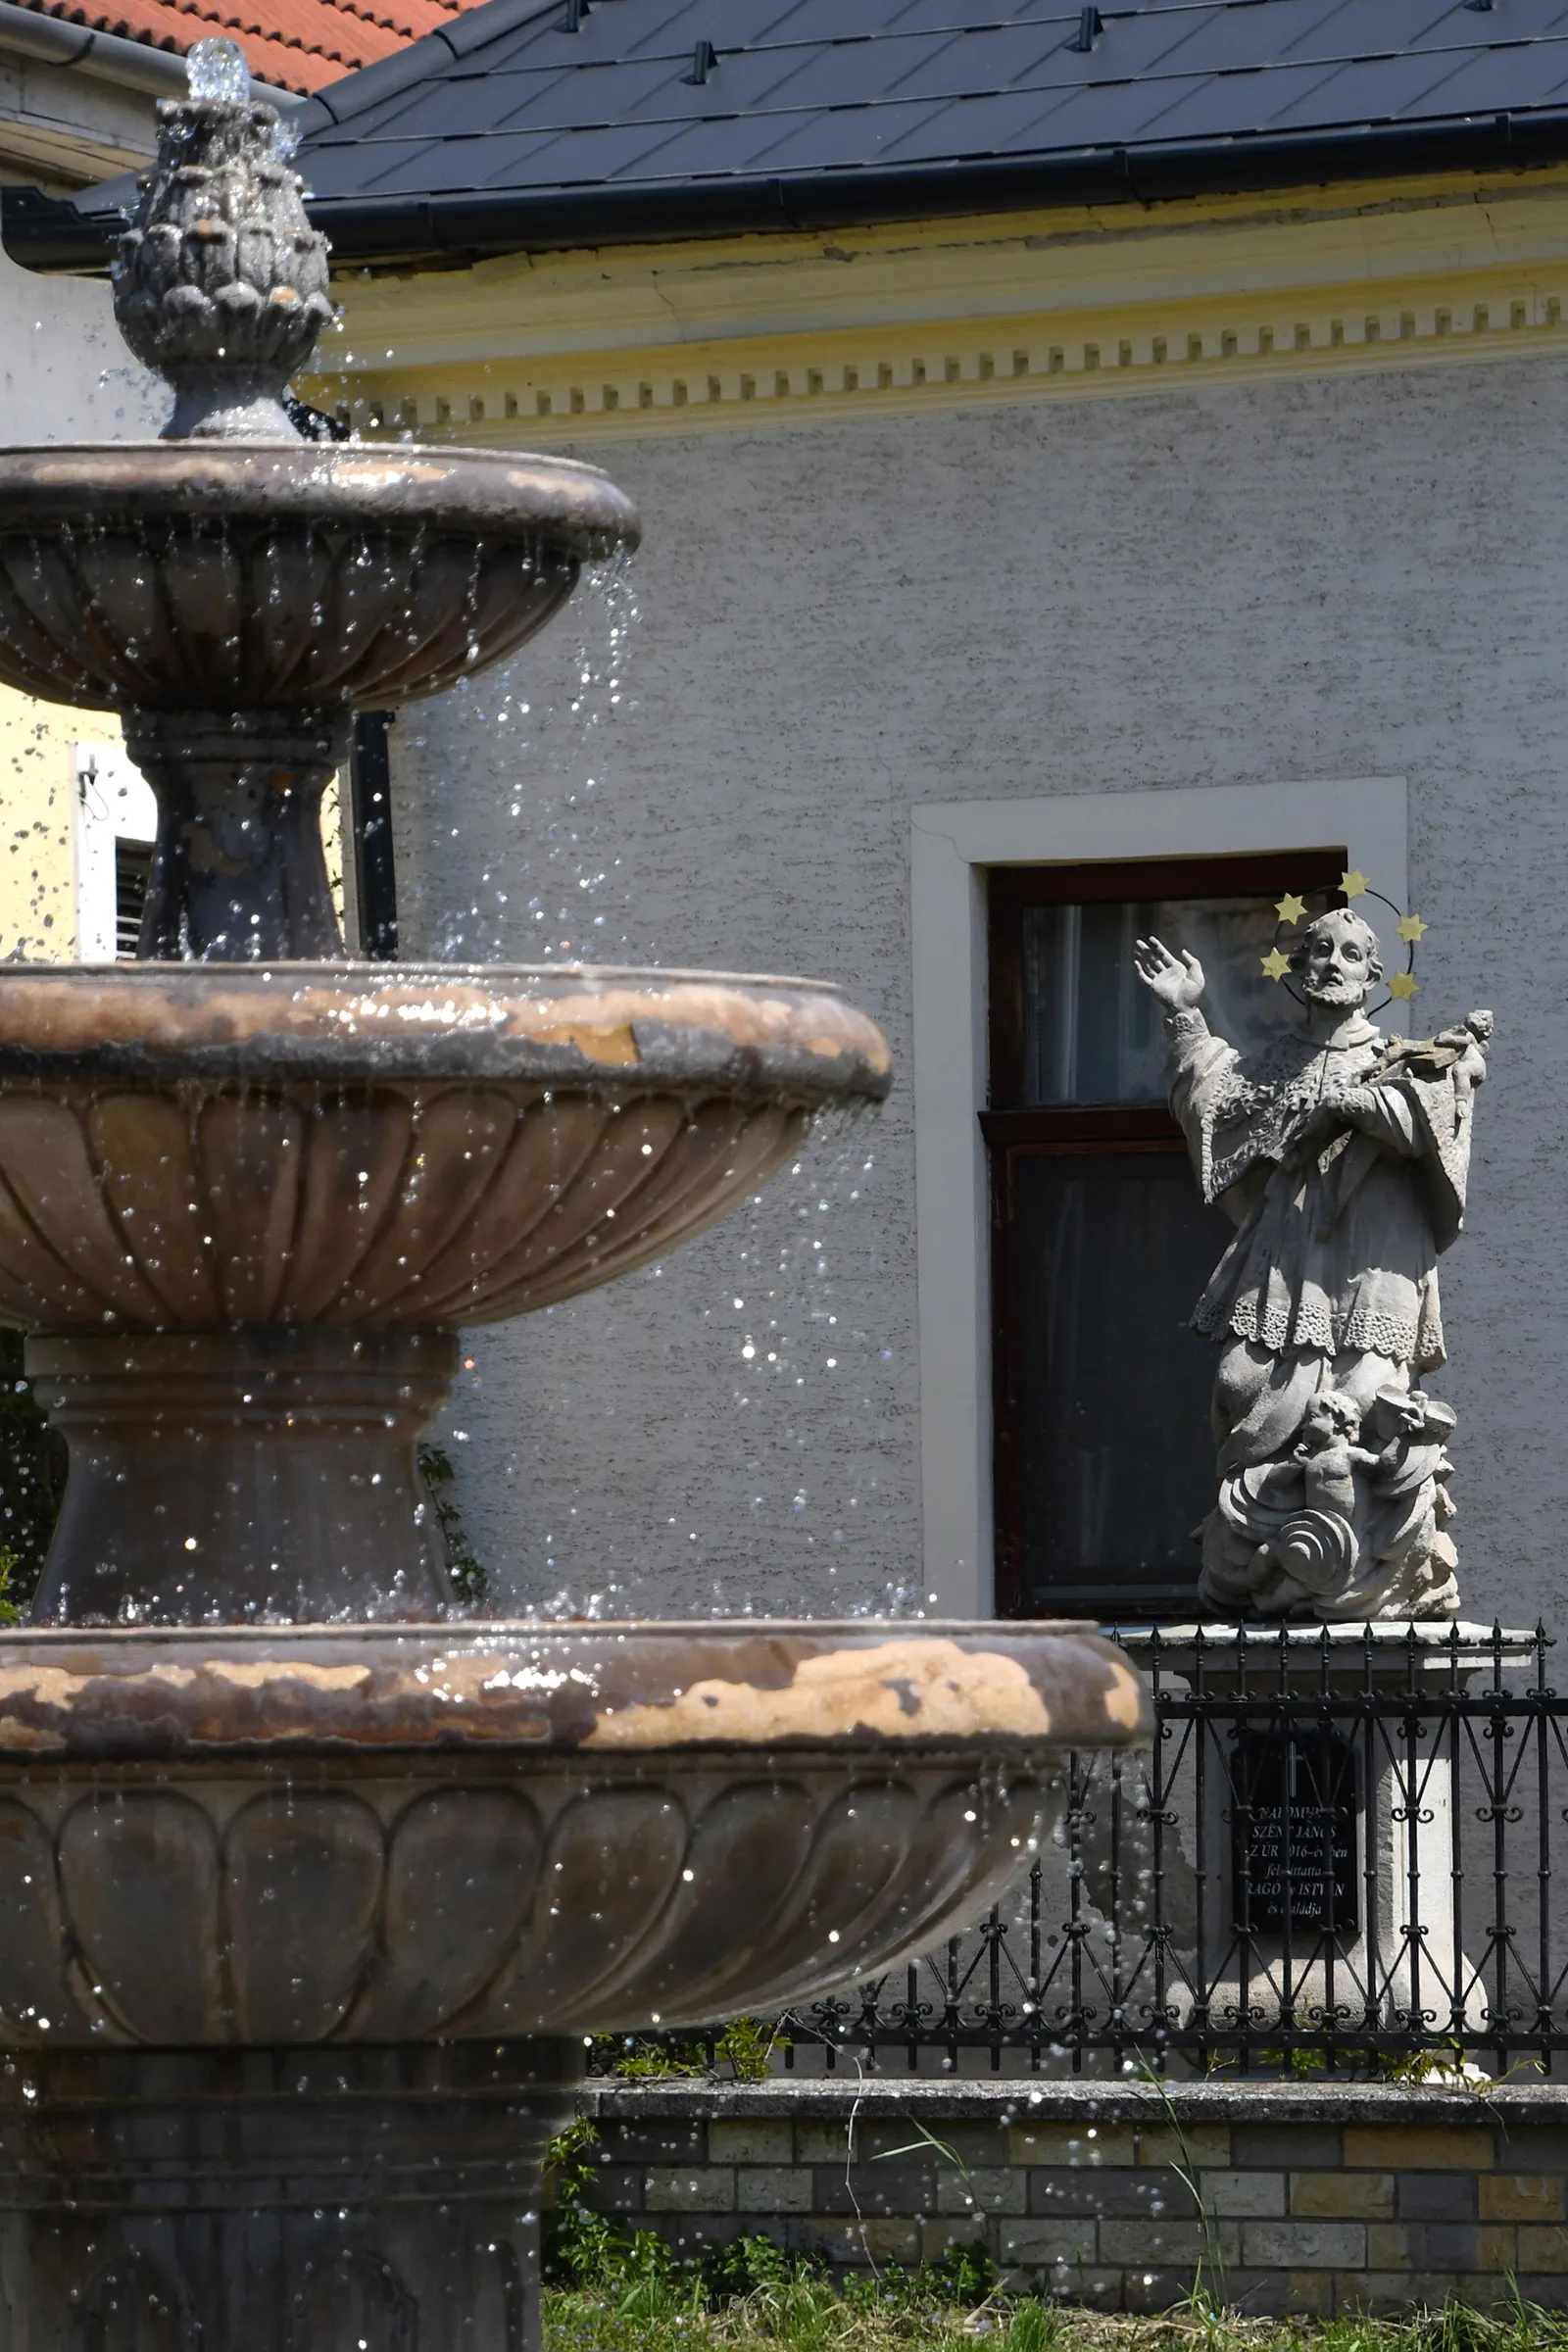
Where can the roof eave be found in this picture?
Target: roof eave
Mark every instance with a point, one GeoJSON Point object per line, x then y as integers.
{"type": "Point", "coordinates": [370, 230]}
{"type": "Point", "coordinates": [415, 230]}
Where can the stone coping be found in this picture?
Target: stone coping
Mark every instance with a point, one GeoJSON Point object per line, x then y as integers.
{"type": "Point", "coordinates": [1026, 2098]}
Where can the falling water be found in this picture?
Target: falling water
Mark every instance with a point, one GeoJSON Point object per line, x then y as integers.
{"type": "Point", "coordinates": [522, 865]}
{"type": "Point", "coordinates": [731, 1431]}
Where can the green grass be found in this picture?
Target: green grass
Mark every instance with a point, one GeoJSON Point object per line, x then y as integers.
{"type": "Point", "coordinates": [664, 2307]}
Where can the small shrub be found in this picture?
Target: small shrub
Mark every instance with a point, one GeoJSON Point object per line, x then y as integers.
{"type": "Point", "coordinates": [749, 2266]}
{"type": "Point", "coordinates": [469, 1579]}
{"type": "Point", "coordinates": [746, 2048]}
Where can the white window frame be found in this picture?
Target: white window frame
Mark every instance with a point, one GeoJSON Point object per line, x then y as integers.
{"type": "Point", "coordinates": [111, 800]}
{"type": "Point", "coordinates": [953, 845]}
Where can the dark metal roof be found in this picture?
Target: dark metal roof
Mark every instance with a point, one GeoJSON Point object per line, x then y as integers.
{"type": "Point", "coordinates": [523, 125]}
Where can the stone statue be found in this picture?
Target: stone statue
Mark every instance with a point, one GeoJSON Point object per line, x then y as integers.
{"type": "Point", "coordinates": [1341, 1157]}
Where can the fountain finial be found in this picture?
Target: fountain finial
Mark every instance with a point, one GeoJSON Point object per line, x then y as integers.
{"type": "Point", "coordinates": [220, 283]}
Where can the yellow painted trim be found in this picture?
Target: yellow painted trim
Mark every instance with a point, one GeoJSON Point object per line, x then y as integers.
{"type": "Point", "coordinates": [1069, 304]}
{"type": "Point", "coordinates": [955, 363]}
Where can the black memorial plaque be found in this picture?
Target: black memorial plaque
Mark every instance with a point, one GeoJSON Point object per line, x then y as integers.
{"type": "Point", "coordinates": [1293, 1833]}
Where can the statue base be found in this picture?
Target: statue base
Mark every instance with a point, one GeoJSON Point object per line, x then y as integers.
{"type": "Point", "coordinates": [1321, 1827]}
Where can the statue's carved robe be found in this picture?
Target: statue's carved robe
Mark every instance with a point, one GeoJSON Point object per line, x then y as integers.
{"type": "Point", "coordinates": [1332, 1277]}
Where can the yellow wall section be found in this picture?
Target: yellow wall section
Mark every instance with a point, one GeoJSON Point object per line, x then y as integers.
{"type": "Point", "coordinates": [37, 775]}
{"type": "Point", "coordinates": [1069, 303]}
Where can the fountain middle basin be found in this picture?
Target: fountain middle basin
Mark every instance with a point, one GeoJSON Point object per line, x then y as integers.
{"type": "Point", "coordinates": [243, 1207]}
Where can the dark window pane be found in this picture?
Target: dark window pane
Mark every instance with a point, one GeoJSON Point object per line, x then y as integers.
{"type": "Point", "coordinates": [1092, 1031]}
{"type": "Point", "coordinates": [133, 865]}
{"type": "Point", "coordinates": [1111, 1253]}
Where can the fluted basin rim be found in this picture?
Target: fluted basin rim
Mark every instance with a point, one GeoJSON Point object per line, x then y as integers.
{"type": "Point", "coordinates": [493, 494]}
{"type": "Point", "coordinates": [625, 1028]}
{"type": "Point", "coordinates": [632, 1688]}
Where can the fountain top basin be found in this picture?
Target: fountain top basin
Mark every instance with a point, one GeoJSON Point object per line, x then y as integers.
{"type": "Point", "coordinates": [217, 576]}
{"type": "Point", "coordinates": [632, 1028]}
{"type": "Point", "coordinates": [506, 494]}
{"type": "Point", "coordinates": [622, 1689]}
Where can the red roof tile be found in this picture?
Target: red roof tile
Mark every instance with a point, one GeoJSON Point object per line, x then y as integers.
{"type": "Point", "coordinates": [294, 44]}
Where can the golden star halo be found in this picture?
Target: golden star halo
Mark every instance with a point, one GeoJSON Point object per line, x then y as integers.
{"type": "Point", "coordinates": [1403, 985]}
{"type": "Point", "coordinates": [1291, 908]}
{"type": "Point", "coordinates": [1354, 883]}
{"type": "Point", "coordinates": [1275, 965]}
{"type": "Point", "coordinates": [1410, 928]}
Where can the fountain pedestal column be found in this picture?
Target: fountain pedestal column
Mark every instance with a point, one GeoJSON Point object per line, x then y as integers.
{"type": "Point", "coordinates": [277, 2200]}
{"type": "Point", "coordinates": [239, 872]}
{"type": "Point", "coordinates": [231, 1475]}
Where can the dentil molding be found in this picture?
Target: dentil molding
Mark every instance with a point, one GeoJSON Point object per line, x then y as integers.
{"type": "Point", "coordinates": [1072, 304]}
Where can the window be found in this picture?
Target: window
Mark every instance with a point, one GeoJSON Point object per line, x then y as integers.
{"type": "Point", "coordinates": [115, 822]}
{"type": "Point", "coordinates": [133, 868]}
{"type": "Point", "coordinates": [1100, 1245]}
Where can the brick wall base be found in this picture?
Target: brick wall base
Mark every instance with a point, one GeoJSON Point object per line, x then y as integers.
{"type": "Point", "coordinates": [1312, 2198]}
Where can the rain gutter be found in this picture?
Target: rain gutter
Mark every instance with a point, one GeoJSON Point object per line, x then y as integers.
{"type": "Point", "coordinates": [427, 231]}
{"type": "Point", "coordinates": [106, 56]}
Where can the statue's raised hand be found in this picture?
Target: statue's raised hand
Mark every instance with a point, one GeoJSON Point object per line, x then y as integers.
{"type": "Point", "coordinates": [1176, 980]}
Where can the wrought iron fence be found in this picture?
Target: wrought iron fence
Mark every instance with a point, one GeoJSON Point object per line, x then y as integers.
{"type": "Point", "coordinates": [1339, 1853]}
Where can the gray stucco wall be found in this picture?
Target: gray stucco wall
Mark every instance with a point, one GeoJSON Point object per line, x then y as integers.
{"type": "Point", "coordinates": [1350, 576]}
{"type": "Point", "coordinates": [64, 374]}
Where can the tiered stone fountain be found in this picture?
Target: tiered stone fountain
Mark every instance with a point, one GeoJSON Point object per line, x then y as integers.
{"type": "Point", "coordinates": [310, 1889]}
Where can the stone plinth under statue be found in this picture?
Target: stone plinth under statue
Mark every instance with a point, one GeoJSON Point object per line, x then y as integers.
{"type": "Point", "coordinates": [1342, 1156]}
{"type": "Point", "coordinates": [1323, 1818]}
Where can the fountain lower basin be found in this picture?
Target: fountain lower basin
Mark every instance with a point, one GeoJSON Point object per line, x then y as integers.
{"type": "Point", "coordinates": [301, 1932]}
{"type": "Point", "coordinates": [337, 1834]}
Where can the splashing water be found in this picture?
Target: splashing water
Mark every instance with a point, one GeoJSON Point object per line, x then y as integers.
{"type": "Point", "coordinates": [216, 71]}
{"type": "Point", "coordinates": [727, 1433]}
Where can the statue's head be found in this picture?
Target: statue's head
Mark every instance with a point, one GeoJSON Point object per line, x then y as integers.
{"type": "Point", "coordinates": [1337, 960]}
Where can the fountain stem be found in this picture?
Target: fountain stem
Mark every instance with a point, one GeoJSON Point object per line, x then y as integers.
{"type": "Point", "coordinates": [239, 874]}
{"type": "Point", "coordinates": [285, 1463]}
{"type": "Point", "coordinates": [313, 2198]}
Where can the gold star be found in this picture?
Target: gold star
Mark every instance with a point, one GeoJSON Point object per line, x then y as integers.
{"type": "Point", "coordinates": [1290, 908]}
{"type": "Point", "coordinates": [1275, 965]}
{"type": "Point", "coordinates": [1354, 883]}
{"type": "Point", "coordinates": [1410, 928]}
{"type": "Point", "coordinates": [1401, 986]}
